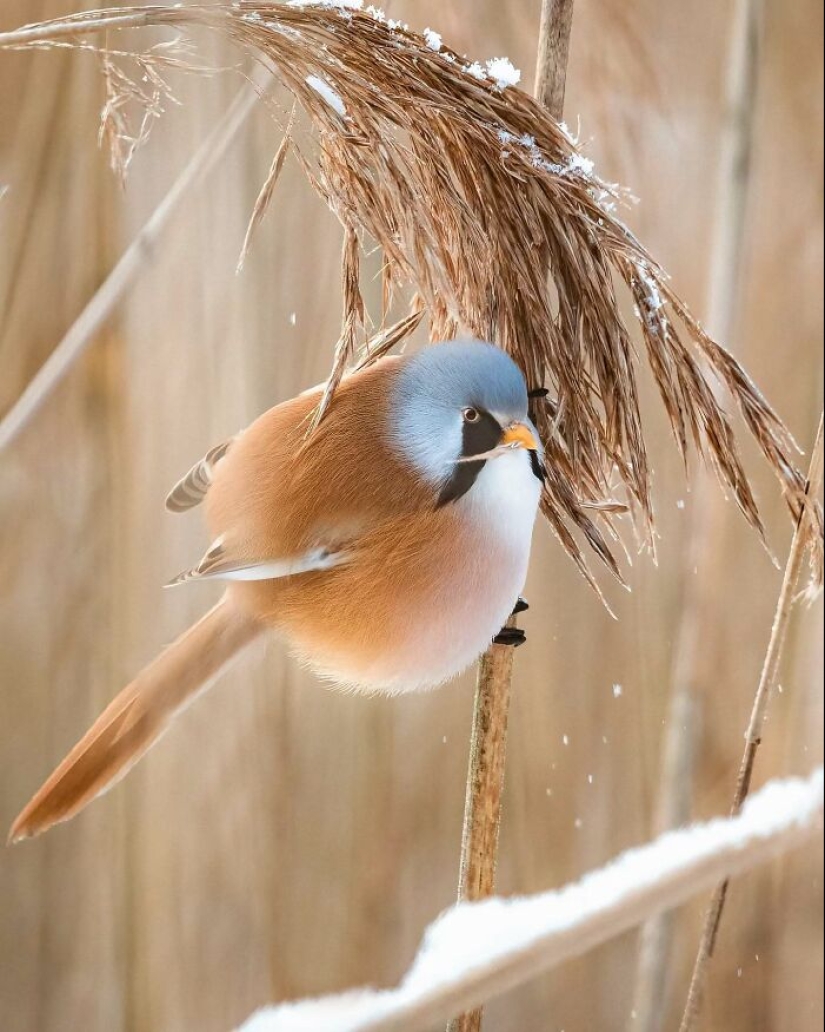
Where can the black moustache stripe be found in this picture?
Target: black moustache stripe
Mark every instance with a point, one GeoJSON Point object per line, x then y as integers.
{"type": "Point", "coordinates": [477, 438]}
{"type": "Point", "coordinates": [463, 478]}
{"type": "Point", "coordinates": [538, 470]}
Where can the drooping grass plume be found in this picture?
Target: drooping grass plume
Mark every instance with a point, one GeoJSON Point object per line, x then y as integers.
{"type": "Point", "coordinates": [473, 191]}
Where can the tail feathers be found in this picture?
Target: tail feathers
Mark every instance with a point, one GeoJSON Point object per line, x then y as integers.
{"type": "Point", "coordinates": [136, 718]}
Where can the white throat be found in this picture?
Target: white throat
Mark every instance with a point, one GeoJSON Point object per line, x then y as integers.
{"type": "Point", "coordinates": [505, 498]}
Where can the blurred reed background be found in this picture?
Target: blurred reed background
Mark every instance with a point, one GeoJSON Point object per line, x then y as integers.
{"type": "Point", "coordinates": [286, 840]}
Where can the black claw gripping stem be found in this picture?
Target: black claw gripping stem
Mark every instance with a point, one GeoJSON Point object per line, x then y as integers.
{"type": "Point", "coordinates": [510, 636]}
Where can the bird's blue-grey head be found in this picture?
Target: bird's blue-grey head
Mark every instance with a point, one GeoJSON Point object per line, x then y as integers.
{"type": "Point", "coordinates": [457, 400]}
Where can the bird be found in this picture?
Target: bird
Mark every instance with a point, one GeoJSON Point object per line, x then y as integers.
{"type": "Point", "coordinates": [388, 546]}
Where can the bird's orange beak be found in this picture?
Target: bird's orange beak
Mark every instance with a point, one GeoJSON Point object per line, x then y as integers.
{"type": "Point", "coordinates": [519, 435]}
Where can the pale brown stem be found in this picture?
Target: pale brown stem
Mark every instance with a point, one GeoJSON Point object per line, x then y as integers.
{"type": "Point", "coordinates": [134, 260]}
{"type": "Point", "coordinates": [554, 48]}
{"type": "Point", "coordinates": [485, 777]}
{"type": "Point", "coordinates": [753, 736]}
{"type": "Point", "coordinates": [485, 783]}
{"type": "Point", "coordinates": [724, 282]}
{"type": "Point", "coordinates": [488, 742]}
{"type": "Point", "coordinates": [81, 24]}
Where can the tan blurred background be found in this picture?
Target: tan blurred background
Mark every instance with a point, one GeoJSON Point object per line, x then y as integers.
{"type": "Point", "coordinates": [283, 839]}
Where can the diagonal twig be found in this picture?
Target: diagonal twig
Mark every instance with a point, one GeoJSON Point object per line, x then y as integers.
{"type": "Point", "coordinates": [753, 736]}
{"type": "Point", "coordinates": [134, 260]}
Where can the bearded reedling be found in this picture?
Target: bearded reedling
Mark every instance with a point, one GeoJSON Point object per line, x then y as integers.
{"type": "Point", "coordinates": [388, 547]}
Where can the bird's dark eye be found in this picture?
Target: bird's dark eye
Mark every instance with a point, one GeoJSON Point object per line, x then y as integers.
{"type": "Point", "coordinates": [471, 415]}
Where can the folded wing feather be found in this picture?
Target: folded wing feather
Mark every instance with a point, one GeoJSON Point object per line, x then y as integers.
{"type": "Point", "coordinates": [191, 489]}
{"type": "Point", "coordinates": [218, 565]}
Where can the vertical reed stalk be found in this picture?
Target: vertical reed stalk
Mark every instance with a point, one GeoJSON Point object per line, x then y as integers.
{"type": "Point", "coordinates": [488, 740]}
{"type": "Point", "coordinates": [753, 736]}
{"type": "Point", "coordinates": [673, 804]}
{"type": "Point", "coordinates": [485, 778]}
{"type": "Point", "coordinates": [554, 49]}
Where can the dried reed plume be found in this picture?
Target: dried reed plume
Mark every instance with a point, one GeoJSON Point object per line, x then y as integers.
{"type": "Point", "coordinates": [473, 191]}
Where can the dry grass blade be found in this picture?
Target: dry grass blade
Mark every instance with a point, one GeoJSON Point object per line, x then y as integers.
{"type": "Point", "coordinates": [382, 343]}
{"type": "Point", "coordinates": [346, 347]}
{"type": "Point", "coordinates": [808, 530]}
{"type": "Point", "coordinates": [146, 92]}
{"type": "Point", "coordinates": [137, 90]}
{"type": "Point", "coordinates": [473, 191]}
{"type": "Point", "coordinates": [265, 195]}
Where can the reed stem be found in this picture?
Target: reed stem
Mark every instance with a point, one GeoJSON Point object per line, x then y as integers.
{"type": "Point", "coordinates": [491, 706]}
{"type": "Point", "coordinates": [44, 33]}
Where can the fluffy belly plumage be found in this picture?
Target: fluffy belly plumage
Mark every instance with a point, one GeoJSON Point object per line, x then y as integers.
{"type": "Point", "coordinates": [398, 647]}
{"type": "Point", "coordinates": [403, 647]}
{"type": "Point", "coordinates": [444, 585]}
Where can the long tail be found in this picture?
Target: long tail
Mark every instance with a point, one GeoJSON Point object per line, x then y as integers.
{"type": "Point", "coordinates": [137, 717]}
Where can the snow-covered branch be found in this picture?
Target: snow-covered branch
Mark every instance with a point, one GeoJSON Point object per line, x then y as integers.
{"type": "Point", "coordinates": [477, 950]}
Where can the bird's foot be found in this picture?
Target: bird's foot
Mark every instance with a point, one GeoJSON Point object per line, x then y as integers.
{"type": "Point", "coordinates": [514, 636]}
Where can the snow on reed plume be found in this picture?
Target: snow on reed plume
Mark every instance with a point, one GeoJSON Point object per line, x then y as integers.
{"type": "Point", "coordinates": [475, 193]}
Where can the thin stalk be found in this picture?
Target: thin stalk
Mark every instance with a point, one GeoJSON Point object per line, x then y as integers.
{"type": "Point", "coordinates": [488, 740]}
{"type": "Point", "coordinates": [485, 784]}
{"type": "Point", "coordinates": [724, 290]}
{"type": "Point", "coordinates": [137, 256]}
{"type": "Point", "coordinates": [485, 779]}
{"type": "Point", "coordinates": [78, 25]}
{"type": "Point", "coordinates": [554, 50]}
{"type": "Point", "coordinates": [753, 736]}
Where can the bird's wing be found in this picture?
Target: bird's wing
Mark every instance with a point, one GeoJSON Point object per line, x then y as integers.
{"type": "Point", "coordinates": [217, 564]}
{"type": "Point", "coordinates": [191, 489]}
